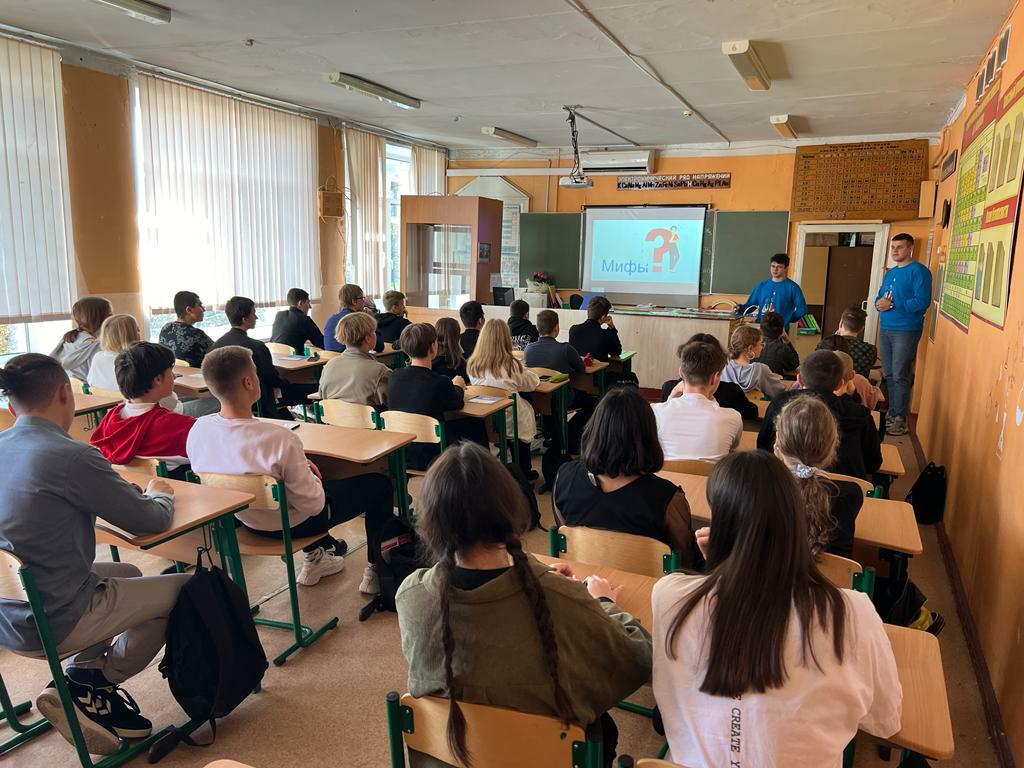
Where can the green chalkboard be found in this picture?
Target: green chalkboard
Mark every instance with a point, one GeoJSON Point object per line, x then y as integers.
{"type": "Point", "coordinates": [550, 242]}
{"type": "Point", "coordinates": [742, 244]}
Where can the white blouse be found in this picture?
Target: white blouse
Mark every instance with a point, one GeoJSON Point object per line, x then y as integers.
{"type": "Point", "coordinates": [521, 380]}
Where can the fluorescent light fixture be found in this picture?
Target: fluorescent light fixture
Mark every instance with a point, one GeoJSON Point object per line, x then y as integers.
{"type": "Point", "coordinates": [743, 56]}
{"type": "Point", "coordinates": [783, 126]}
{"type": "Point", "coordinates": [141, 10]}
{"type": "Point", "coordinates": [513, 138]}
{"type": "Point", "coordinates": [374, 90]}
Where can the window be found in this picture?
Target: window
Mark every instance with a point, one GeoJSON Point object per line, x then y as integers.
{"type": "Point", "coordinates": [227, 198]}
{"type": "Point", "coordinates": [397, 183]}
{"type": "Point", "coordinates": [36, 249]}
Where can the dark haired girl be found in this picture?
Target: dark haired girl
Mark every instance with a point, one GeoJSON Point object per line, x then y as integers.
{"type": "Point", "coordinates": [489, 624]}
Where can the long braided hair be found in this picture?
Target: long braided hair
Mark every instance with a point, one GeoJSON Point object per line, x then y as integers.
{"type": "Point", "coordinates": [450, 520]}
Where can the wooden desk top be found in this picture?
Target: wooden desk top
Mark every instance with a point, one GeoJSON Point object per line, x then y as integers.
{"type": "Point", "coordinates": [627, 354]}
{"type": "Point", "coordinates": [281, 362]}
{"type": "Point", "coordinates": [926, 727]}
{"type": "Point", "coordinates": [547, 387]}
{"type": "Point", "coordinates": [387, 353]}
{"type": "Point", "coordinates": [892, 463]}
{"type": "Point", "coordinates": [194, 506]}
{"type": "Point", "coordinates": [359, 446]}
{"type": "Point", "coordinates": [881, 522]}
{"type": "Point", "coordinates": [92, 403]}
{"type": "Point", "coordinates": [190, 379]}
{"type": "Point", "coordinates": [478, 410]}
{"type": "Point", "coordinates": [596, 366]}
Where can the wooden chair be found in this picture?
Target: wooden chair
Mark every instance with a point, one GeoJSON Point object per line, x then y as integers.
{"type": "Point", "coordinates": [841, 571]}
{"type": "Point", "coordinates": [614, 549]}
{"type": "Point", "coordinates": [277, 348]}
{"type": "Point", "coordinates": [270, 495]}
{"type": "Point", "coordinates": [78, 386]}
{"type": "Point", "coordinates": [700, 467]}
{"type": "Point", "coordinates": [754, 395]}
{"type": "Point", "coordinates": [323, 354]}
{"type": "Point", "coordinates": [179, 363]}
{"type": "Point", "coordinates": [497, 737]}
{"type": "Point", "coordinates": [112, 393]}
{"type": "Point", "coordinates": [427, 430]}
{"type": "Point", "coordinates": [342, 414]}
{"type": "Point", "coordinates": [867, 487]}
{"type": "Point", "coordinates": [17, 583]}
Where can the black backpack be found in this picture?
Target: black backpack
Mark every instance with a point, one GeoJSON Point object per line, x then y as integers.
{"type": "Point", "coordinates": [527, 488]}
{"type": "Point", "coordinates": [213, 659]}
{"type": "Point", "coordinates": [398, 555]}
{"type": "Point", "coordinates": [928, 494]}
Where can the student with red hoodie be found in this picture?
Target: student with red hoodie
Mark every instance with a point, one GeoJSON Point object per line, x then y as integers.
{"type": "Point", "coordinates": [141, 426]}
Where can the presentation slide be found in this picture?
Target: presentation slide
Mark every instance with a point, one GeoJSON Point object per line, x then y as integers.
{"type": "Point", "coordinates": [644, 254]}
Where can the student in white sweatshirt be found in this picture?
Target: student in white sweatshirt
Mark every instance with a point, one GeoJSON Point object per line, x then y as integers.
{"type": "Point", "coordinates": [760, 661]}
{"type": "Point", "coordinates": [745, 345]}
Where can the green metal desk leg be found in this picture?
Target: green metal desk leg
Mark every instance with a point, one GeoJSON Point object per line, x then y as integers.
{"type": "Point", "coordinates": [599, 382]}
{"type": "Point", "coordinates": [502, 430]}
{"type": "Point", "coordinates": [562, 414]}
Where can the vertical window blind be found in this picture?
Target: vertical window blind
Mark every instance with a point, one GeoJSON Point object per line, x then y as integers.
{"type": "Point", "coordinates": [36, 248]}
{"type": "Point", "coordinates": [428, 171]}
{"type": "Point", "coordinates": [227, 196]}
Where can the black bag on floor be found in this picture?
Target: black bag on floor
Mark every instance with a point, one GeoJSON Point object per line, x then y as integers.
{"type": "Point", "coordinates": [928, 494]}
{"type": "Point", "coordinates": [398, 556]}
{"type": "Point", "coordinates": [552, 461]}
{"type": "Point", "coordinates": [213, 659]}
{"type": "Point", "coordinates": [527, 488]}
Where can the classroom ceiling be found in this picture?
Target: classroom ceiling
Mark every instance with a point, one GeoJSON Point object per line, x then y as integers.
{"type": "Point", "coordinates": [840, 67]}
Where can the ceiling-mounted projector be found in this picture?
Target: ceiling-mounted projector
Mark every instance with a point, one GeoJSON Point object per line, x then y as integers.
{"type": "Point", "coordinates": [576, 182]}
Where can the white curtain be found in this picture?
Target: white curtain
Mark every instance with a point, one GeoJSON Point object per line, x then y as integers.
{"type": "Point", "coordinates": [227, 194]}
{"type": "Point", "coordinates": [367, 262]}
{"type": "Point", "coordinates": [428, 171]}
{"type": "Point", "coordinates": [36, 248]}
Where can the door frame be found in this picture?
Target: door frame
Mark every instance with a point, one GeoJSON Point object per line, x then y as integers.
{"type": "Point", "coordinates": [879, 256]}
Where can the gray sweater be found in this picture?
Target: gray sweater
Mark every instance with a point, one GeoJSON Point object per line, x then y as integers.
{"type": "Point", "coordinates": [76, 355]}
{"type": "Point", "coordinates": [52, 489]}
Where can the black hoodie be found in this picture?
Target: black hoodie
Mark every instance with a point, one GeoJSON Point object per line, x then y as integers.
{"type": "Point", "coordinates": [390, 326]}
{"type": "Point", "coordinates": [859, 454]}
{"type": "Point", "coordinates": [523, 332]}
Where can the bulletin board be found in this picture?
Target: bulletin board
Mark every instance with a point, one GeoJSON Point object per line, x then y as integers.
{"type": "Point", "coordinates": [863, 180]}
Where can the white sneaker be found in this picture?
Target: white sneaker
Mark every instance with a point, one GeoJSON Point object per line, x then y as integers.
{"type": "Point", "coordinates": [370, 585]}
{"type": "Point", "coordinates": [319, 563]}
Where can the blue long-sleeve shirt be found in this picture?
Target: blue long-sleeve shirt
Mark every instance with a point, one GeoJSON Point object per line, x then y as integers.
{"type": "Point", "coordinates": [910, 288]}
{"type": "Point", "coordinates": [332, 343]}
{"type": "Point", "coordinates": [784, 297]}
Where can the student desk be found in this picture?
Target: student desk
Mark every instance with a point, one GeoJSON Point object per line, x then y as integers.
{"type": "Point", "coordinates": [195, 506]}
{"type": "Point", "coordinates": [925, 724]}
{"type": "Point", "coordinates": [892, 467]}
{"type": "Point", "coordinates": [300, 368]}
{"type": "Point", "coordinates": [94, 404]}
{"type": "Point", "coordinates": [392, 358]}
{"type": "Point", "coordinates": [892, 464]}
{"type": "Point", "coordinates": [623, 362]}
{"type": "Point", "coordinates": [756, 397]}
{"type": "Point", "coordinates": [551, 398]}
{"type": "Point", "coordinates": [495, 410]}
{"type": "Point", "coordinates": [591, 380]}
{"type": "Point", "coordinates": [347, 451]}
{"type": "Point", "coordinates": [189, 382]}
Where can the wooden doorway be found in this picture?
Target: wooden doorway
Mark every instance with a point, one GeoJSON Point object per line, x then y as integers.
{"type": "Point", "coordinates": [848, 282]}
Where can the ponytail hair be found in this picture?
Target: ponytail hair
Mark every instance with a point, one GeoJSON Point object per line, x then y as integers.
{"type": "Point", "coordinates": [31, 380]}
{"type": "Point", "coordinates": [806, 433]}
{"type": "Point", "coordinates": [744, 337]}
{"type": "Point", "coordinates": [450, 520]}
{"type": "Point", "coordinates": [88, 315]}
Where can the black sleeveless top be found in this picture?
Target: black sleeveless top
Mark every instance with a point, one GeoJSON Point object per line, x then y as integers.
{"type": "Point", "coordinates": [637, 508]}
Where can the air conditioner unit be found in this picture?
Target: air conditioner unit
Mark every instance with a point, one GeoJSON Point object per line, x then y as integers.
{"type": "Point", "coordinates": [639, 161]}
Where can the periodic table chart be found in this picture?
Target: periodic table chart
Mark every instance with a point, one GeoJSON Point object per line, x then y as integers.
{"type": "Point", "coordinates": [863, 180]}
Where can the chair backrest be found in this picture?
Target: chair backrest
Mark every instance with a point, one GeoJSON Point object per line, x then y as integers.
{"type": "Point", "coordinates": [277, 348]}
{"type": "Point", "coordinates": [864, 484]}
{"type": "Point", "coordinates": [755, 395]}
{"type": "Point", "coordinates": [323, 354]}
{"type": "Point", "coordinates": [342, 414]}
{"type": "Point", "coordinates": [263, 487]}
{"type": "Point", "coordinates": [426, 428]}
{"type": "Point", "coordinates": [653, 762]}
{"type": "Point", "coordinates": [105, 392]}
{"type": "Point", "coordinates": [11, 587]}
{"type": "Point", "coordinates": [700, 467]}
{"type": "Point", "coordinates": [79, 387]}
{"type": "Point", "coordinates": [497, 737]}
{"type": "Point", "coordinates": [480, 389]}
{"type": "Point", "coordinates": [614, 549]}
{"type": "Point", "coordinates": [839, 570]}
{"type": "Point", "coordinates": [179, 363]}
{"type": "Point", "coordinates": [154, 467]}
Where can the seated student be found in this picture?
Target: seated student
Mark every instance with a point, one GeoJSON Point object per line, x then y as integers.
{"type": "Point", "coordinates": [241, 314]}
{"type": "Point", "coordinates": [691, 424]}
{"type": "Point", "coordinates": [392, 321]}
{"type": "Point", "coordinates": [591, 337]}
{"type": "Point", "coordinates": [416, 388]}
{"type": "Point", "coordinates": [762, 644]}
{"type": "Point", "coordinates": [548, 352]}
{"type": "Point", "coordinates": [523, 331]}
{"type": "Point", "coordinates": [493, 365]}
{"type": "Point", "coordinates": [728, 394]}
{"type": "Point", "coordinates": [489, 624]}
{"type": "Point", "coordinates": [449, 361]}
{"type": "Point", "coordinates": [857, 387]}
{"type": "Point", "coordinates": [233, 442]}
{"type": "Point", "coordinates": [77, 346]}
{"type": "Point", "coordinates": [613, 485]}
{"type": "Point", "coordinates": [181, 336]}
{"type": "Point", "coordinates": [851, 326]}
{"type": "Point", "coordinates": [117, 333]}
{"type": "Point", "coordinates": [354, 376]}
{"type": "Point", "coordinates": [821, 375]}
{"type": "Point", "coordinates": [352, 299]}
{"type": "Point", "coordinates": [111, 617]}
{"type": "Point", "coordinates": [143, 426]}
{"type": "Point", "coordinates": [778, 353]}
{"type": "Point", "coordinates": [806, 439]}
{"type": "Point", "coordinates": [294, 326]}
{"type": "Point", "coordinates": [472, 316]}
{"type": "Point", "coordinates": [744, 347]}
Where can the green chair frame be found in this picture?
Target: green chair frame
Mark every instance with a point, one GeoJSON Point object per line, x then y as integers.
{"type": "Point", "coordinates": [24, 732]}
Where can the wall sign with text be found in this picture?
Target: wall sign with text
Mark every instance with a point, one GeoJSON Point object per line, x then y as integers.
{"type": "Point", "coordinates": [721, 180]}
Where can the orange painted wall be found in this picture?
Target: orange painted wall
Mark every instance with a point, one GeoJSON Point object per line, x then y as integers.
{"type": "Point", "coordinates": [972, 382]}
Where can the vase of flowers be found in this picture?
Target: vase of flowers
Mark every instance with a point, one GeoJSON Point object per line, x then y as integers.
{"type": "Point", "coordinates": [540, 282]}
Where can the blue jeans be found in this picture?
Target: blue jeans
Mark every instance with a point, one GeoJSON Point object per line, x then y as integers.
{"type": "Point", "coordinates": [898, 349]}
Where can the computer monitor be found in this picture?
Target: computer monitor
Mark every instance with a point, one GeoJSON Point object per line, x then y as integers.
{"type": "Point", "coordinates": [503, 297]}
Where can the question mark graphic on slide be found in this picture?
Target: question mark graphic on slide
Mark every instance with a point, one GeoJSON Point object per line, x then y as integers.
{"type": "Point", "coordinates": [666, 245]}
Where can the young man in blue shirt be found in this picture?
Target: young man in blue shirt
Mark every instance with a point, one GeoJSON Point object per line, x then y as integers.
{"type": "Point", "coordinates": [777, 294]}
{"type": "Point", "coordinates": [902, 301]}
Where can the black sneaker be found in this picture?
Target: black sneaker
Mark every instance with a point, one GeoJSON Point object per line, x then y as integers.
{"type": "Point", "coordinates": [340, 547]}
{"type": "Point", "coordinates": [937, 623]}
